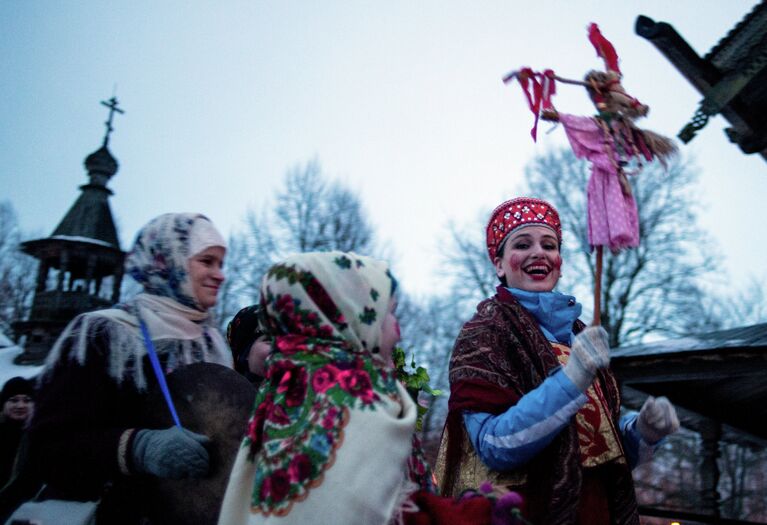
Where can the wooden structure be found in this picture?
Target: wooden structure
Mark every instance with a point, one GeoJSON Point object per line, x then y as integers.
{"type": "Point", "coordinates": [716, 379]}
{"type": "Point", "coordinates": [732, 77]}
{"type": "Point", "coordinates": [77, 260]}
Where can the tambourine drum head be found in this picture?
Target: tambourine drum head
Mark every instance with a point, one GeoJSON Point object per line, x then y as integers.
{"type": "Point", "coordinates": [213, 400]}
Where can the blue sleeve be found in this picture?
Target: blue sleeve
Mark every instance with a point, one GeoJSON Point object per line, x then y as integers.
{"type": "Point", "coordinates": [511, 439]}
{"type": "Point", "coordinates": [637, 450]}
{"type": "Point", "coordinates": [631, 438]}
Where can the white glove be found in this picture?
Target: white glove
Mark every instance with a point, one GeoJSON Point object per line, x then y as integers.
{"type": "Point", "coordinates": [589, 353]}
{"type": "Point", "coordinates": [657, 419]}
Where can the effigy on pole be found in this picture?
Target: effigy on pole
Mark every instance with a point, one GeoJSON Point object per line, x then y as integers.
{"type": "Point", "coordinates": [610, 140]}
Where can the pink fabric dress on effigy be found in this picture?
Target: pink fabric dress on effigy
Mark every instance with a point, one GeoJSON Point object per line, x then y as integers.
{"type": "Point", "coordinates": [612, 215]}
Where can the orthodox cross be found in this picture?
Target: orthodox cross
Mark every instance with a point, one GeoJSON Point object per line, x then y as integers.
{"type": "Point", "coordinates": [112, 105]}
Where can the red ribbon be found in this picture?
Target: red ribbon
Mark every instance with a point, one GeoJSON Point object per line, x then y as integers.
{"type": "Point", "coordinates": [549, 88]}
{"type": "Point", "coordinates": [604, 48]}
{"type": "Point", "coordinates": [538, 89]}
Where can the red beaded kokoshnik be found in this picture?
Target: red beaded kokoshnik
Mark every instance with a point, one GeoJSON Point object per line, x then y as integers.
{"type": "Point", "coordinates": [519, 212]}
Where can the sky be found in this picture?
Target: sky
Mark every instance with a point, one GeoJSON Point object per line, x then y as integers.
{"type": "Point", "coordinates": [400, 100]}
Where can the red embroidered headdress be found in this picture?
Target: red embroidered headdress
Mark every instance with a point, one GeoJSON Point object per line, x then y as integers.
{"type": "Point", "coordinates": [516, 213]}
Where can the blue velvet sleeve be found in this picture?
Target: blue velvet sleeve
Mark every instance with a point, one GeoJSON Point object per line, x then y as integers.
{"type": "Point", "coordinates": [637, 450]}
{"type": "Point", "coordinates": [511, 439]}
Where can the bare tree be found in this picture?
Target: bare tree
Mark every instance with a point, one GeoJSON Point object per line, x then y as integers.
{"type": "Point", "coordinates": [467, 263]}
{"type": "Point", "coordinates": [237, 279]}
{"type": "Point", "coordinates": [672, 479]}
{"type": "Point", "coordinates": [311, 213]}
{"type": "Point", "coordinates": [17, 272]}
{"type": "Point", "coordinates": [429, 327]}
{"type": "Point", "coordinates": [743, 485]}
{"type": "Point", "coordinates": [743, 306]}
{"type": "Point", "coordinates": [315, 214]}
{"type": "Point", "coordinates": [654, 288]}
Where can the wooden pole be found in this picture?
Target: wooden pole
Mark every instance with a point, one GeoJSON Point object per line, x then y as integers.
{"type": "Point", "coordinates": [514, 74]}
{"type": "Point", "coordinates": [598, 289]}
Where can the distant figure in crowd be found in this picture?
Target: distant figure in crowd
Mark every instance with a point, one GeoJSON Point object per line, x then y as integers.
{"type": "Point", "coordinates": [533, 405]}
{"type": "Point", "coordinates": [250, 342]}
{"type": "Point", "coordinates": [17, 400]}
{"type": "Point", "coordinates": [88, 439]}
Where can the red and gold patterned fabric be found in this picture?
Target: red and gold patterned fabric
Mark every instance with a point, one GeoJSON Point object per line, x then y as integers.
{"type": "Point", "coordinates": [598, 439]}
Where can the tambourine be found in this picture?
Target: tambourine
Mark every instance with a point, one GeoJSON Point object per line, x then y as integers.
{"type": "Point", "coordinates": [213, 400]}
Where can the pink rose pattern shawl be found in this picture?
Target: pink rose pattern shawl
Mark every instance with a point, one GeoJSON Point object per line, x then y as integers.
{"type": "Point", "coordinates": [329, 308]}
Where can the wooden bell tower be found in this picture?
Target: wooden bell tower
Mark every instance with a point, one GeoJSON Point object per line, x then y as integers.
{"type": "Point", "coordinates": [81, 263]}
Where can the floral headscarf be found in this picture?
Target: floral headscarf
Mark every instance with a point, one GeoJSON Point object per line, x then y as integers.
{"type": "Point", "coordinates": [160, 255]}
{"type": "Point", "coordinates": [328, 308]}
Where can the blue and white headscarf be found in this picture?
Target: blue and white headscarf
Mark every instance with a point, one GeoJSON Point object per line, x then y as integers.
{"type": "Point", "coordinates": [159, 260]}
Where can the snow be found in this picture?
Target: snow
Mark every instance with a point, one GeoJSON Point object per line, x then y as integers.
{"type": "Point", "coordinates": [8, 369]}
{"type": "Point", "coordinates": [78, 238]}
{"type": "Point", "coordinates": [5, 341]}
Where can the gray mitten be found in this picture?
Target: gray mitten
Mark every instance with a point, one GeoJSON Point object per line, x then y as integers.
{"type": "Point", "coordinates": [589, 353]}
{"type": "Point", "coordinates": [657, 419]}
{"type": "Point", "coordinates": [172, 453]}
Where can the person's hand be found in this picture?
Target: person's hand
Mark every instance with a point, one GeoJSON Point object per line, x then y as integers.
{"type": "Point", "coordinates": [257, 355]}
{"type": "Point", "coordinates": [590, 352]}
{"type": "Point", "coordinates": [172, 453]}
{"type": "Point", "coordinates": [657, 419]}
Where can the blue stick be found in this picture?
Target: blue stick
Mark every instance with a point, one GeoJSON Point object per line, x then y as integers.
{"type": "Point", "coordinates": [158, 372]}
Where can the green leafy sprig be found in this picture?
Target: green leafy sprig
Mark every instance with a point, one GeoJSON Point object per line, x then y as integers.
{"type": "Point", "coordinates": [416, 380]}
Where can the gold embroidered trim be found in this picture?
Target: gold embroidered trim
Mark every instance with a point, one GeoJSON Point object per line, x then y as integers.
{"type": "Point", "coordinates": [471, 471]}
{"type": "Point", "coordinates": [598, 445]}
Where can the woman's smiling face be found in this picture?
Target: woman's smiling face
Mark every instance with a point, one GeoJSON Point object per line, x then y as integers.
{"type": "Point", "coordinates": [206, 275]}
{"type": "Point", "coordinates": [530, 259]}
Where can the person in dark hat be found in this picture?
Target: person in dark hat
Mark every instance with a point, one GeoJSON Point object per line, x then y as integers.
{"type": "Point", "coordinates": [250, 342]}
{"type": "Point", "coordinates": [17, 400]}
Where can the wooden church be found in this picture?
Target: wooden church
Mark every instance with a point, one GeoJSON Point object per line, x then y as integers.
{"type": "Point", "coordinates": [80, 263]}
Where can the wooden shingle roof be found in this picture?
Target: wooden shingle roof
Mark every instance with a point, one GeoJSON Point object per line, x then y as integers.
{"type": "Point", "coordinates": [732, 77]}
{"type": "Point", "coordinates": [720, 375]}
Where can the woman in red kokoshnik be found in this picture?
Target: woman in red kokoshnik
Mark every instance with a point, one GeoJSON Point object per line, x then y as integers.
{"type": "Point", "coordinates": [533, 406]}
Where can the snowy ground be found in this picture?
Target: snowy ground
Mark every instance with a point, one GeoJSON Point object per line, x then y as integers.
{"type": "Point", "coordinates": [8, 369]}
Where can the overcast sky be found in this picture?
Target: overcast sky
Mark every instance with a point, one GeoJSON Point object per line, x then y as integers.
{"type": "Point", "coordinates": [402, 100]}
